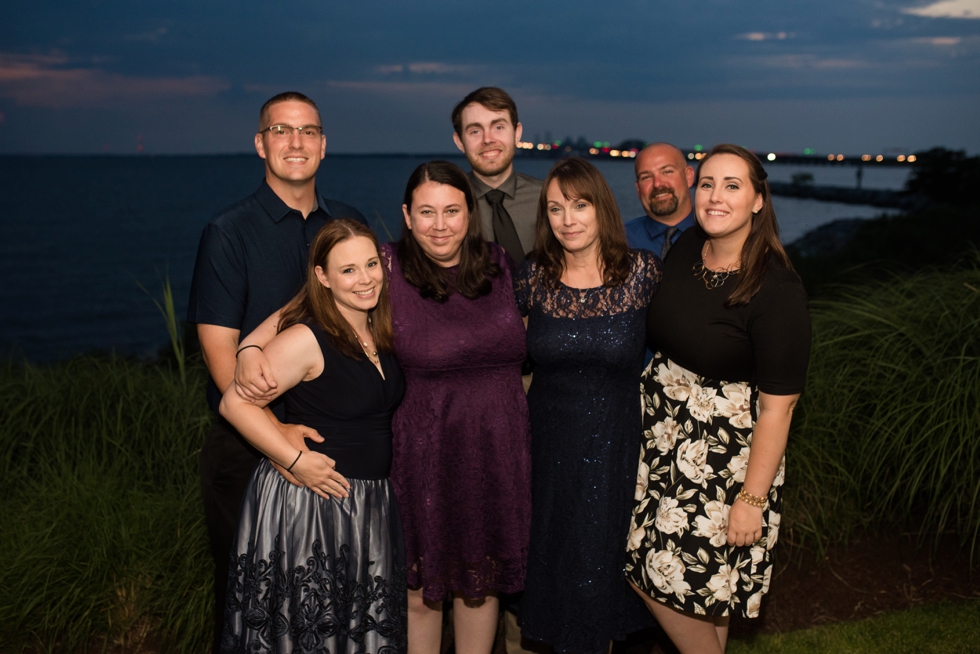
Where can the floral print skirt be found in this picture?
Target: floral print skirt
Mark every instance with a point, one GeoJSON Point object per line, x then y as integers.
{"type": "Point", "coordinates": [314, 575]}
{"type": "Point", "coordinates": [696, 445]}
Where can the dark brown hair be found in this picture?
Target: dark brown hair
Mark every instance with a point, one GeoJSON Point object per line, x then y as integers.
{"type": "Point", "coordinates": [762, 245]}
{"type": "Point", "coordinates": [316, 302]}
{"type": "Point", "coordinates": [288, 96]}
{"type": "Point", "coordinates": [476, 267]}
{"type": "Point", "coordinates": [490, 97]}
{"type": "Point", "coordinates": [577, 178]}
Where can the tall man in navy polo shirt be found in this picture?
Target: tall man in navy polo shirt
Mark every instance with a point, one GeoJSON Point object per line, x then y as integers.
{"type": "Point", "coordinates": [251, 261]}
{"type": "Point", "coordinates": [663, 182]}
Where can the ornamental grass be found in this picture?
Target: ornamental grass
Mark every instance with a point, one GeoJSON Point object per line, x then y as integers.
{"type": "Point", "coordinates": [887, 428]}
{"type": "Point", "coordinates": [101, 528]}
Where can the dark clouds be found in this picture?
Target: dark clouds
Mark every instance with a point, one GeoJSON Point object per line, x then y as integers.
{"type": "Point", "coordinates": [839, 75]}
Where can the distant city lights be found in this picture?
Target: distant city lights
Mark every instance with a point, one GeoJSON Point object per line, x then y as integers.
{"type": "Point", "coordinates": [600, 148]}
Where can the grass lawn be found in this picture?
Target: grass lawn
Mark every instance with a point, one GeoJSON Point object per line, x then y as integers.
{"type": "Point", "coordinates": [940, 628]}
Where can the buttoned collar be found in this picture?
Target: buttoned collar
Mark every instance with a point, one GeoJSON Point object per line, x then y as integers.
{"type": "Point", "coordinates": [655, 228]}
{"type": "Point", "coordinates": [509, 186]}
{"type": "Point", "coordinates": [277, 209]}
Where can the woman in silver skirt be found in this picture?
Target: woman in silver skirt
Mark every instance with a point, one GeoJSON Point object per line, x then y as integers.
{"type": "Point", "coordinates": [318, 562]}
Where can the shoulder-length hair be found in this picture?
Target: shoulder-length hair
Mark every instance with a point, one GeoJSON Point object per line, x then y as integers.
{"type": "Point", "coordinates": [476, 267]}
{"type": "Point", "coordinates": [762, 246]}
{"type": "Point", "coordinates": [578, 179]}
{"type": "Point", "coordinates": [316, 302]}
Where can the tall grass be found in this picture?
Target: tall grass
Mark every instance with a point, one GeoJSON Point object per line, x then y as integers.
{"type": "Point", "coordinates": [174, 328]}
{"type": "Point", "coordinates": [101, 528]}
{"type": "Point", "coordinates": [889, 424]}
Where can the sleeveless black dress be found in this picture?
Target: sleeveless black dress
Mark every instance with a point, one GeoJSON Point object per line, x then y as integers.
{"type": "Point", "coordinates": [309, 574]}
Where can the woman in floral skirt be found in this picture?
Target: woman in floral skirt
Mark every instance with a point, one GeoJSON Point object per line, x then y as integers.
{"type": "Point", "coordinates": [731, 334]}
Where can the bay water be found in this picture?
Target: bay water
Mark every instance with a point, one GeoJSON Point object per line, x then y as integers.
{"type": "Point", "coordinates": [87, 242]}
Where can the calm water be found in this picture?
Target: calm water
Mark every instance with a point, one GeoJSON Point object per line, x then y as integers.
{"type": "Point", "coordinates": [80, 235]}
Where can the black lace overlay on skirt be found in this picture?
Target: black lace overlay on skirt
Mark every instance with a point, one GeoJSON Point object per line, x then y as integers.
{"type": "Point", "coordinates": [325, 595]}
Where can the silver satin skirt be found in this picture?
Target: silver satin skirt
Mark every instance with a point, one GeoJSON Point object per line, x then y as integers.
{"type": "Point", "coordinates": [315, 575]}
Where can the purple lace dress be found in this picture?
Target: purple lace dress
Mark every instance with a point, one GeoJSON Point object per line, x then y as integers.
{"type": "Point", "coordinates": [462, 462]}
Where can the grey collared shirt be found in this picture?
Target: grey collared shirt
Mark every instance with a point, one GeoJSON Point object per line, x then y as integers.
{"type": "Point", "coordinates": [521, 193]}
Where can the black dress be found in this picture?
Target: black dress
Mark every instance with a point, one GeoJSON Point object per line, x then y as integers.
{"type": "Point", "coordinates": [587, 346]}
{"type": "Point", "coordinates": [701, 394]}
{"type": "Point", "coordinates": [310, 574]}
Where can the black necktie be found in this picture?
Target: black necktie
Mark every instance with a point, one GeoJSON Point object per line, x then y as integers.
{"type": "Point", "coordinates": [504, 232]}
{"type": "Point", "coordinates": [669, 234]}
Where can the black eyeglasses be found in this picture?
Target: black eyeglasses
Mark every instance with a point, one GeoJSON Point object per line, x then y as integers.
{"type": "Point", "coordinates": [286, 131]}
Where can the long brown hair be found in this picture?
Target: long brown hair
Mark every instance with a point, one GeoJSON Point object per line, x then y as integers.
{"type": "Point", "coordinates": [762, 246]}
{"type": "Point", "coordinates": [577, 178]}
{"type": "Point", "coordinates": [316, 302]}
{"type": "Point", "coordinates": [476, 267]}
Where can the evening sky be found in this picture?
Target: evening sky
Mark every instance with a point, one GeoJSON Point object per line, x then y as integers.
{"type": "Point", "coordinates": [189, 76]}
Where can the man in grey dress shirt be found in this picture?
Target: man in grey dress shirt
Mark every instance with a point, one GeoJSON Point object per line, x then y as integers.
{"type": "Point", "coordinates": [487, 132]}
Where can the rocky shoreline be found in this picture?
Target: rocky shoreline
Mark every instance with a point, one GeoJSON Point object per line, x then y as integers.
{"type": "Point", "coordinates": [846, 195]}
{"type": "Point", "coordinates": [829, 238]}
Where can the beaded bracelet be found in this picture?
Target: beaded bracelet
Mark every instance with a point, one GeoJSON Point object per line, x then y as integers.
{"type": "Point", "coordinates": [752, 500]}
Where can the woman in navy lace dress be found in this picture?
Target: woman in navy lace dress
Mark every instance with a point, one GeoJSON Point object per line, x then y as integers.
{"type": "Point", "coordinates": [318, 564]}
{"type": "Point", "coordinates": [585, 295]}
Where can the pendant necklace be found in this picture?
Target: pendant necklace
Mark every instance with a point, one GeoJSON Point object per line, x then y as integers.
{"type": "Point", "coordinates": [713, 278]}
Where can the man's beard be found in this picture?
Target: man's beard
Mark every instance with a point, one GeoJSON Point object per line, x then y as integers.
{"type": "Point", "coordinates": [492, 169]}
{"type": "Point", "coordinates": [662, 207]}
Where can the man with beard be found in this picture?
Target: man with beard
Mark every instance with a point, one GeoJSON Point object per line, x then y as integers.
{"type": "Point", "coordinates": [487, 132]}
{"type": "Point", "coordinates": [663, 182]}
{"type": "Point", "coordinates": [251, 261]}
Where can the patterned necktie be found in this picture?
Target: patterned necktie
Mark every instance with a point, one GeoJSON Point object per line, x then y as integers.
{"type": "Point", "coordinates": [669, 234]}
{"type": "Point", "coordinates": [504, 232]}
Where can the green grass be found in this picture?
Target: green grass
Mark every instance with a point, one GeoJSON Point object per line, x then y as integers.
{"type": "Point", "coordinates": [101, 524]}
{"type": "Point", "coordinates": [887, 428]}
{"type": "Point", "coordinates": [939, 628]}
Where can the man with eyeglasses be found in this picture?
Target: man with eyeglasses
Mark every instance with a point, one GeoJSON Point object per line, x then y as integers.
{"type": "Point", "coordinates": [251, 261]}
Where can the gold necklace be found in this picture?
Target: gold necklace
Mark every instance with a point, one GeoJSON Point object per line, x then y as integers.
{"type": "Point", "coordinates": [713, 278]}
{"type": "Point", "coordinates": [372, 355]}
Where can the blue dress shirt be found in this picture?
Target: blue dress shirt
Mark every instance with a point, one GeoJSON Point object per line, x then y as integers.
{"type": "Point", "coordinates": [645, 233]}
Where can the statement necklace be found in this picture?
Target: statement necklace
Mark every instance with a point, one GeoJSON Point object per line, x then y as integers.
{"type": "Point", "coordinates": [713, 278]}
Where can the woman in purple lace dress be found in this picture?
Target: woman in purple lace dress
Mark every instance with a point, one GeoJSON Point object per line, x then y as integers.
{"type": "Point", "coordinates": [461, 466]}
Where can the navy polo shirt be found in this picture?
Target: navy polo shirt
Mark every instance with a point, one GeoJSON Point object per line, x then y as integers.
{"type": "Point", "coordinates": [252, 260]}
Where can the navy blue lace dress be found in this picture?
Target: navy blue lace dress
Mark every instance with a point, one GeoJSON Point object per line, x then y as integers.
{"type": "Point", "coordinates": [587, 346]}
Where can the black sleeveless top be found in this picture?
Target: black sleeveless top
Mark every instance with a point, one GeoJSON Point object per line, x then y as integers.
{"type": "Point", "coordinates": [351, 406]}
